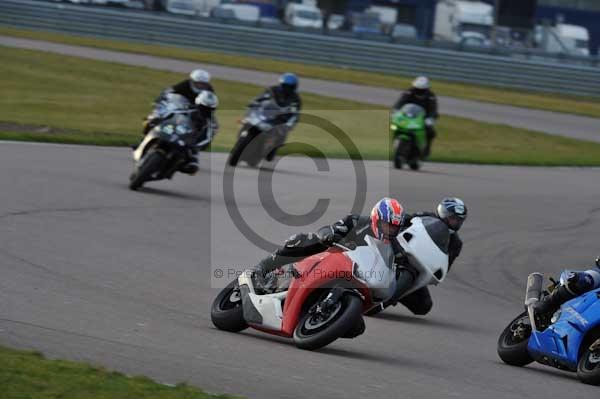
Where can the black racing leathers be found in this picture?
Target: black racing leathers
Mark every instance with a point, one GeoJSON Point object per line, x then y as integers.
{"type": "Point", "coordinates": [202, 119]}
{"type": "Point", "coordinates": [285, 99]}
{"type": "Point", "coordinates": [578, 283]}
{"type": "Point", "coordinates": [351, 232]}
{"type": "Point", "coordinates": [184, 88]}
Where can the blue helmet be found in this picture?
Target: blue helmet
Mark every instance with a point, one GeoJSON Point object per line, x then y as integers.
{"type": "Point", "coordinates": [289, 80]}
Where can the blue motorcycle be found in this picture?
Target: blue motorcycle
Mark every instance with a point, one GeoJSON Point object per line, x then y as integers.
{"type": "Point", "coordinates": [569, 340]}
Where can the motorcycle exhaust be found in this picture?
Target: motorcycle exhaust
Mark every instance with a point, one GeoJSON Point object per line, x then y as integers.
{"type": "Point", "coordinates": [534, 288]}
{"type": "Point", "coordinates": [533, 294]}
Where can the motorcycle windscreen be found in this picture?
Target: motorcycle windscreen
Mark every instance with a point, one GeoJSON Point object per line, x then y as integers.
{"type": "Point", "coordinates": [438, 231]}
{"type": "Point", "coordinates": [426, 244]}
{"type": "Point", "coordinates": [269, 112]}
{"type": "Point", "coordinates": [412, 111]}
{"type": "Point", "coordinates": [179, 127]}
{"type": "Point", "coordinates": [372, 265]}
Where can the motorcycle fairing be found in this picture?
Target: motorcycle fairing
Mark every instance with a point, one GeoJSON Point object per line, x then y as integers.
{"type": "Point", "coordinates": [139, 152]}
{"type": "Point", "coordinates": [424, 254]}
{"type": "Point", "coordinates": [264, 311]}
{"type": "Point", "coordinates": [558, 345]}
{"type": "Point", "coordinates": [316, 271]}
{"type": "Point", "coordinates": [371, 267]}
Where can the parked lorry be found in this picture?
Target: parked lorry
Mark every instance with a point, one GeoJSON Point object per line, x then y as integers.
{"type": "Point", "coordinates": [303, 16]}
{"type": "Point", "coordinates": [563, 38]}
{"type": "Point", "coordinates": [456, 20]}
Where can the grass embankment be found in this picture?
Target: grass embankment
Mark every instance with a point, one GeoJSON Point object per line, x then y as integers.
{"type": "Point", "coordinates": [560, 103]}
{"type": "Point", "coordinates": [29, 375]}
{"type": "Point", "coordinates": [83, 101]}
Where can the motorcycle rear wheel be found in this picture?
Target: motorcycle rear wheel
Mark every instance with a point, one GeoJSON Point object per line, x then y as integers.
{"type": "Point", "coordinates": [150, 165]}
{"type": "Point", "coordinates": [511, 350]}
{"type": "Point", "coordinates": [311, 334]}
{"type": "Point", "coordinates": [226, 312]}
{"type": "Point", "coordinates": [588, 366]}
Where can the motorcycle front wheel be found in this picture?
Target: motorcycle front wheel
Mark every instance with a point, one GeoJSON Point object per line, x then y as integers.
{"type": "Point", "coordinates": [398, 155]}
{"type": "Point", "coordinates": [512, 344]}
{"type": "Point", "coordinates": [150, 165]}
{"type": "Point", "coordinates": [240, 146]}
{"type": "Point", "coordinates": [226, 312]}
{"type": "Point", "coordinates": [317, 329]}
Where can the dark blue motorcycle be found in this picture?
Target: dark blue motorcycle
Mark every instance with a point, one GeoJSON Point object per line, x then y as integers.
{"type": "Point", "coordinates": [569, 340]}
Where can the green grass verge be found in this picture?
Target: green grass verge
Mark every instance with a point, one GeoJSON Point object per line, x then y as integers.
{"type": "Point", "coordinates": [92, 102]}
{"type": "Point", "coordinates": [560, 103]}
{"type": "Point", "coordinates": [29, 375]}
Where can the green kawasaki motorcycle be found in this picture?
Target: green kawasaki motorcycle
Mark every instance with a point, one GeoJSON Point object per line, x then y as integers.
{"type": "Point", "coordinates": [407, 126]}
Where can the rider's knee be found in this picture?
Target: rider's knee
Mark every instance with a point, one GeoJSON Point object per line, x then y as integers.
{"type": "Point", "coordinates": [423, 308]}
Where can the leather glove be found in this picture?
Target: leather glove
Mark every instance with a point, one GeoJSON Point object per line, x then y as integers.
{"type": "Point", "coordinates": [328, 235]}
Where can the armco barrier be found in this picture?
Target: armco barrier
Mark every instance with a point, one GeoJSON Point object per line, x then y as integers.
{"type": "Point", "coordinates": [376, 56]}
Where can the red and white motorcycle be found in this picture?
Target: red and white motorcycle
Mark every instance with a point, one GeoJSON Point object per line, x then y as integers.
{"type": "Point", "coordinates": [314, 301]}
{"type": "Point", "coordinates": [322, 298]}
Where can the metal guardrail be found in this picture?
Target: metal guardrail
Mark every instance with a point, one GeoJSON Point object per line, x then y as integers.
{"type": "Point", "coordinates": [302, 47]}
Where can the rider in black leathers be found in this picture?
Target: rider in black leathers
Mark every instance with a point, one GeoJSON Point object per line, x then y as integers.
{"type": "Point", "coordinates": [421, 94]}
{"type": "Point", "coordinates": [201, 94]}
{"type": "Point", "coordinates": [578, 283]}
{"type": "Point", "coordinates": [284, 95]}
{"type": "Point", "coordinates": [351, 231]}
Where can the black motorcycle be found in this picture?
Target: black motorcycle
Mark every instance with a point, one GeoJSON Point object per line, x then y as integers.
{"type": "Point", "coordinates": [170, 142]}
{"type": "Point", "coordinates": [261, 134]}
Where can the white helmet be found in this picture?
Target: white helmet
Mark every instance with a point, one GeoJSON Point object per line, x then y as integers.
{"type": "Point", "coordinates": [207, 99]}
{"type": "Point", "coordinates": [200, 76]}
{"type": "Point", "coordinates": [421, 83]}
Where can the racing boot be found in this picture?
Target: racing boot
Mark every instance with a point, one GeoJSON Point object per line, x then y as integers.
{"type": "Point", "coordinates": [191, 166]}
{"type": "Point", "coordinates": [296, 248]}
{"type": "Point", "coordinates": [545, 308]}
{"type": "Point", "coordinates": [262, 277]}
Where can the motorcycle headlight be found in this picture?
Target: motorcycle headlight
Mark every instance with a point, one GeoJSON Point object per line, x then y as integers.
{"type": "Point", "coordinates": [168, 129]}
{"type": "Point", "coordinates": [182, 129]}
{"type": "Point", "coordinates": [393, 127]}
{"type": "Point", "coordinates": [264, 126]}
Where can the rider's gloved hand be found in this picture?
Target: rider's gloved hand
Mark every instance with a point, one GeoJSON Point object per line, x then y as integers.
{"type": "Point", "coordinates": [326, 235]}
{"type": "Point", "coordinates": [329, 235]}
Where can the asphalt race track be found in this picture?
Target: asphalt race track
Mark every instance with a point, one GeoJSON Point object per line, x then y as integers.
{"type": "Point", "coordinates": [567, 125]}
{"type": "Point", "coordinates": [92, 271]}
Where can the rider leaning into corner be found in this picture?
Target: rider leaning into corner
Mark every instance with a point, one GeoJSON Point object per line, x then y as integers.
{"type": "Point", "coordinates": [284, 95]}
{"type": "Point", "coordinates": [198, 90]}
{"type": "Point", "coordinates": [386, 221]}
{"type": "Point", "coordinates": [420, 93]}
{"type": "Point", "coordinates": [577, 283]}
